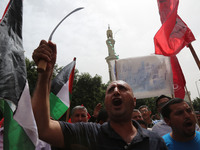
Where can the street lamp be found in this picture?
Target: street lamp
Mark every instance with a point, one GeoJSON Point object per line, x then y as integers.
{"type": "Point", "coordinates": [197, 87]}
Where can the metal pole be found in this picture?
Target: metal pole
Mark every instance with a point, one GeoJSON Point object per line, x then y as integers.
{"type": "Point", "coordinates": [197, 87]}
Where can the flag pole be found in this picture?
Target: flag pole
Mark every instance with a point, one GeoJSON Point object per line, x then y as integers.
{"type": "Point", "coordinates": [67, 115]}
{"type": "Point", "coordinates": [194, 55]}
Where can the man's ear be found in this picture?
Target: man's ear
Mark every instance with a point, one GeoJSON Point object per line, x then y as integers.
{"type": "Point", "coordinates": [168, 121]}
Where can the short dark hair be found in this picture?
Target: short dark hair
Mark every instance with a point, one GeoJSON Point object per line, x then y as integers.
{"type": "Point", "coordinates": [143, 106]}
{"type": "Point", "coordinates": [136, 110]}
{"type": "Point", "coordinates": [166, 108]}
{"type": "Point", "coordinates": [77, 108]}
{"type": "Point", "coordinates": [160, 97]}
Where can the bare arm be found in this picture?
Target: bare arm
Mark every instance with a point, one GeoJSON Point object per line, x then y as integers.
{"type": "Point", "coordinates": [49, 130]}
{"type": "Point", "coordinates": [97, 109]}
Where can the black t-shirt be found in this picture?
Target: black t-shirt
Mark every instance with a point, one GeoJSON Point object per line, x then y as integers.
{"type": "Point", "coordinates": [92, 136]}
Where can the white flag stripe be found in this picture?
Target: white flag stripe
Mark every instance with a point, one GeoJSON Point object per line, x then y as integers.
{"type": "Point", "coordinates": [24, 115]}
{"type": "Point", "coordinates": [63, 94]}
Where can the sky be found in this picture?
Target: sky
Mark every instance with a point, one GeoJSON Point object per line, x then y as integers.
{"type": "Point", "coordinates": [83, 35]}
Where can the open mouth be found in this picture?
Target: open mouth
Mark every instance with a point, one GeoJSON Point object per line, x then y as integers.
{"type": "Point", "coordinates": [117, 102]}
{"type": "Point", "coordinates": [188, 124]}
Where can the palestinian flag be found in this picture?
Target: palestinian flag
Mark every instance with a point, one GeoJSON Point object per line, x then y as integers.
{"type": "Point", "coordinates": [61, 90]}
{"type": "Point", "coordinates": [20, 131]}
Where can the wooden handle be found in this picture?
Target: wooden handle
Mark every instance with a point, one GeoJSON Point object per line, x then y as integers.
{"type": "Point", "coordinates": [41, 66]}
{"type": "Point", "coordinates": [194, 55]}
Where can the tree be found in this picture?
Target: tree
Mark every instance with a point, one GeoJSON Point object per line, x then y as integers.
{"type": "Point", "coordinates": [87, 90]}
{"type": "Point", "coordinates": [196, 104]}
{"type": "Point", "coordinates": [150, 102]}
{"type": "Point", "coordinates": [32, 73]}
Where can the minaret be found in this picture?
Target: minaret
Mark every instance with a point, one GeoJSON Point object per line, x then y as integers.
{"type": "Point", "coordinates": [111, 52]}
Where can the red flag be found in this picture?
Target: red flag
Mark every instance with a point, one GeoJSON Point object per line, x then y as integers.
{"type": "Point", "coordinates": [173, 36]}
{"type": "Point", "coordinates": [178, 78]}
{"type": "Point", "coordinates": [5, 11]}
{"type": "Point", "coordinates": [174, 33]}
{"type": "Point", "coordinates": [88, 115]}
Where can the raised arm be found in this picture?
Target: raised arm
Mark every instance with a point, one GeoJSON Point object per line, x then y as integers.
{"type": "Point", "coordinates": [49, 130]}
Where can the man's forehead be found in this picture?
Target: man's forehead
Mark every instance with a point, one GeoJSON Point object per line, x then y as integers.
{"type": "Point", "coordinates": [179, 106]}
{"type": "Point", "coordinates": [80, 111]}
{"type": "Point", "coordinates": [144, 108]}
{"type": "Point", "coordinates": [136, 113]}
{"type": "Point", "coordinates": [163, 100]}
{"type": "Point", "coordinates": [118, 82]}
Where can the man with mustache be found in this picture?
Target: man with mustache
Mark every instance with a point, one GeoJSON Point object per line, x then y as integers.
{"type": "Point", "coordinates": [146, 115]}
{"type": "Point", "coordinates": [79, 114]}
{"type": "Point", "coordinates": [136, 115]}
{"type": "Point", "coordinates": [180, 117]}
{"type": "Point", "coordinates": [119, 133]}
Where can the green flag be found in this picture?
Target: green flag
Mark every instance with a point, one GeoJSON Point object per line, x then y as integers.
{"type": "Point", "coordinates": [61, 89]}
{"type": "Point", "coordinates": [20, 131]}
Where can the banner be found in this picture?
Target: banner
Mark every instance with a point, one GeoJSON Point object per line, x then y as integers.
{"type": "Point", "coordinates": [149, 76]}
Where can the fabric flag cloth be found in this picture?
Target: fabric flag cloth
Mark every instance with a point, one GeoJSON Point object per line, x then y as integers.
{"type": "Point", "coordinates": [178, 78]}
{"type": "Point", "coordinates": [61, 90]}
{"type": "Point", "coordinates": [20, 131]}
{"type": "Point", "coordinates": [173, 36]}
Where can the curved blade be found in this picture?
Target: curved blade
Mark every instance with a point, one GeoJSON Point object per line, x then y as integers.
{"type": "Point", "coordinates": [77, 9]}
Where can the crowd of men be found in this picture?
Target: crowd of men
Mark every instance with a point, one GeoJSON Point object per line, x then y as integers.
{"type": "Point", "coordinates": [120, 125]}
